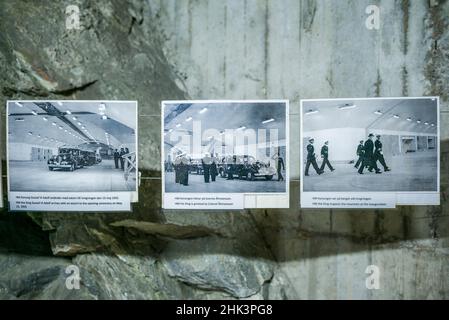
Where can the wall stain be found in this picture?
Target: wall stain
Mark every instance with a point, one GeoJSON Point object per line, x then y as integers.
{"type": "Point", "coordinates": [405, 24]}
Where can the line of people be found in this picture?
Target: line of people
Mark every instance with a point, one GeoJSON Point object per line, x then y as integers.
{"type": "Point", "coordinates": [118, 157]}
{"type": "Point", "coordinates": [369, 152]}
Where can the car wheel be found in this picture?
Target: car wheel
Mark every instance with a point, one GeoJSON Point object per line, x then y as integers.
{"type": "Point", "coordinates": [250, 176]}
{"type": "Point", "coordinates": [50, 168]}
{"type": "Point", "coordinates": [269, 178]}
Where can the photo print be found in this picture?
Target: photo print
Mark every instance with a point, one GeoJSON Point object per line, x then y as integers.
{"type": "Point", "coordinates": [368, 153]}
{"type": "Point", "coordinates": [225, 154]}
{"type": "Point", "coordinates": [72, 155]}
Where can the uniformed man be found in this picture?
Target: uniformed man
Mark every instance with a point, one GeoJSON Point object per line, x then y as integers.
{"type": "Point", "coordinates": [368, 156]}
{"type": "Point", "coordinates": [379, 155]}
{"type": "Point", "coordinates": [311, 158]}
{"type": "Point", "coordinates": [325, 156]}
{"type": "Point", "coordinates": [206, 162]}
{"type": "Point", "coordinates": [184, 170]}
{"type": "Point", "coordinates": [280, 165]}
{"type": "Point", "coordinates": [116, 157]}
{"type": "Point", "coordinates": [359, 154]}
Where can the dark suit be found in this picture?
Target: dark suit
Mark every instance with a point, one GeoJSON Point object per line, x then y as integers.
{"type": "Point", "coordinates": [213, 171]}
{"type": "Point", "coordinates": [311, 160]}
{"type": "Point", "coordinates": [368, 157]}
{"type": "Point", "coordinates": [378, 154]}
{"type": "Point", "coordinates": [325, 156]}
{"type": "Point", "coordinates": [359, 152]}
{"type": "Point", "coordinates": [122, 160]}
{"type": "Point", "coordinates": [206, 169]}
{"type": "Point", "coordinates": [116, 157]}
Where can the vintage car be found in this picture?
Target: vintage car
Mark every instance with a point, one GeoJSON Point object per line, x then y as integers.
{"type": "Point", "coordinates": [245, 167]}
{"type": "Point", "coordinates": [66, 159]}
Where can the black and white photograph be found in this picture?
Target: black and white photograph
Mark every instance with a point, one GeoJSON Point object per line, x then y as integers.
{"type": "Point", "coordinates": [84, 147]}
{"type": "Point", "coordinates": [225, 147]}
{"type": "Point", "coordinates": [373, 145]}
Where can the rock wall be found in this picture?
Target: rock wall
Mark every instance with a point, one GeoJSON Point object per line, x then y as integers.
{"type": "Point", "coordinates": [167, 49]}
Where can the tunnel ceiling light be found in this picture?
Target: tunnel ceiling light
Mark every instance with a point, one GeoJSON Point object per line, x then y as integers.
{"type": "Point", "coordinates": [65, 130]}
{"type": "Point", "coordinates": [418, 121]}
{"type": "Point", "coordinates": [80, 124]}
{"type": "Point", "coordinates": [409, 119]}
{"type": "Point", "coordinates": [30, 133]}
{"type": "Point", "coordinates": [38, 135]}
{"type": "Point", "coordinates": [268, 121]}
{"type": "Point", "coordinates": [45, 118]}
{"type": "Point", "coordinates": [18, 104]}
{"type": "Point", "coordinates": [60, 128]}
{"type": "Point", "coordinates": [171, 130]}
{"type": "Point", "coordinates": [311, 112]}
{"type": "Point", "coordinates": [378, 112]}
{"type": "Point", "coordinates": [242, 128]}
{"type": "Point", "coordinates": [396, 116]}
{"type": "Point", "coordinates": [189, 119]}
{"type": "Point", "coordinates": [75, 118]}
{"type": "Point", "coordinates": [34, 112]}
{"type": "Point", "coordinates": [53, 123]}
{"type": "Point", "coordinates": [203, 110]}
{"type": "Point", "coordinates": [59, 102]}
{"type": "Point", "coordinates": [426, 123]}
{"type": "Point", "coordinates": [20, 119]}
{"type": "Point", "coordinates": [347, 106]}
{"type": "Point", "coordinates": [433, 124]}
{"type": "Point", "coordinates": [68, 112]}
{"type": "Point", "coordinates": [104, 117]}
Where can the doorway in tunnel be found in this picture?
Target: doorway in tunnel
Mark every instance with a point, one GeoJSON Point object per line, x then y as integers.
{"type": "Point", "coordinates": [431, 143]}
{"type": "Point", "coordinates": [409, 144]}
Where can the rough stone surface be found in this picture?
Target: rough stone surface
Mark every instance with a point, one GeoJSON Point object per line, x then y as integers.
{"type": "Point", "coordinates": [172, 49]}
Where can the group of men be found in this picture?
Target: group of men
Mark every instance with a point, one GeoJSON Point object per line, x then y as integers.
{"type": "Point", "coordinates": [181, 166]}
{"type": "Point", "coordinates": [369, 152]}
{"type": "Point", "coordinates": [311, 158]}
{"type": "Point", "coordinates": [118, 157]}
{"type": "Point", "coordinates": [210, 169]}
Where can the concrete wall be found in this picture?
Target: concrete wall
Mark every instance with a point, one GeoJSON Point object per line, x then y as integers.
{"type": "Point", "coordinates": [321, 49]}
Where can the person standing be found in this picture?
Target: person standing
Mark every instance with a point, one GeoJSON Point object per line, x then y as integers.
{"type": "Point", "coordinates": [116, 157]}
{"type": "Point", "coordinates": [206, 161]}
{"type": "Point", "coordinates": [122, 160]}
{"type": "Point", "coordinates": [231, 168]}
{"type": "Point", "coordinates": [311, 158]}
{"type": "Point", "coordinates": [177, 171]}
{"type": "Point", "coordinates": [184, 170]}
{"type": "Point", "coordinates": [368, 157]}
{"type": "Point", "coordinates": [213, 169]}
{"type": "Point", "coordinates": [359, 154]}
{"type": "Point", "coordinates": [280, 165]}
{"type": "Point", "coordinates": [325, 156]}
{"type": "Point", "coordinates": [379, 155]}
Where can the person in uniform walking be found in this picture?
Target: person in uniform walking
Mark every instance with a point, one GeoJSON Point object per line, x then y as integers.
{"type": "Point", "coordinates": [230, 168]}
{"type": "Point", "coordinates": [325, 156]}
{"type": "Point", "coordinates": [206, 162]}
{"type": "Point", "coordinates": [379, 155]}
{"type": "Point", "coordinates": [368, 156]}
{"type": "Point", "coordinates": [359, 154]}
{"type": "Point", "coordinates": [184, 171]}
{"type": "Point", "coordinates": [116, 157]}
{"type": "Point", "coordinates": [311, 158]}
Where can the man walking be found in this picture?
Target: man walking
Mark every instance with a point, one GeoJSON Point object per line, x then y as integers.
{"type": "Point", "coordinates": [206, 161]}
{"type": "Point", "coordinates": [325, 156]}
{"type": "Point", "coordinates": [379, 155]}
{"type": "Point", "coordinates": [311, 158]}
{"type": "Point", "coordinates": [368, 157]}
{"type": "Point", "coordinates": [359, 153]}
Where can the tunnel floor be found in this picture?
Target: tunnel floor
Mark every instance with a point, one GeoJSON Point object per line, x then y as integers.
{"type": "Point", "coordinates": [411, 172]}
{"type": "Point", "coordinates": [35, 177]}
{"type": "Point", "coordinates": [221, 185]}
